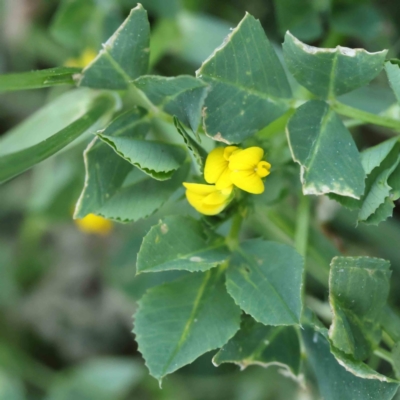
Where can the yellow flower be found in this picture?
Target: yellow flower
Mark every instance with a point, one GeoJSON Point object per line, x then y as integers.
{"type": "Point", "coordinates": [216, 169]}
{"type": "Point", "coordinates": [248, 169]}
{"type": "Point", "coordinates": [207, 199]}
{"type": "Point", "coordinates": [94, 224]}
{"type": "Point", "coordinates": [83, 60]}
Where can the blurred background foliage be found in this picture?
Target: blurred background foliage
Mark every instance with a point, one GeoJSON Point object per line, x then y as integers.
{"type": "Point", "coordinates": [67, 297]}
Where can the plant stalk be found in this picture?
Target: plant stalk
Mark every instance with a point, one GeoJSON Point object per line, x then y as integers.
{"type": "Point", "coordinates": [365, 116]}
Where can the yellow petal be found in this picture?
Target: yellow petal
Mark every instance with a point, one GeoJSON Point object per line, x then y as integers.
{"type": "Point", "coordinates": [197, 202]}
{"type": "Point", "coordinates": [263, 169]}
{"type": "Point", "coordinates": [248, 181]}
{"type": "Point", "coordinates": [246, 159]}
{"type": "Point", "coordinates": [218, 197]}
{"type": "Point", "coordinates": [215, 165]}
{"type": "Point", "coordinates": [224, 181]}
{"type": "Point", "coordinates": [199, 188]}
{"type": "Point", "coordinates": [229, 150]}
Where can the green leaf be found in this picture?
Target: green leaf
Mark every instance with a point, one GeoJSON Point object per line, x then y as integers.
{"type": "Point", "coordinates": [180, 243]}
{"type": "Point", "coordinates": [124, 57]}
{"type": "Point", "coordinates": [11, 388]}
{"type": "Point", "coordinates": [377, 187]}
{"type": "Point", "coordinates": [363, 21]}
{"type": "Point", "coordinates": [50, 119]}
{"type": "Point", "coordinates": [326, 152]}
{"type": "Point", "coordinates": [182, 96]}
{"type": "Point", "coordinates": [374, 156]}
{"type": "Point", "coordinates": [393, 74]}
{"type": "Point", "coordinates": [382, 213]}
{"type": "Point", "coordinates": [355, 327]}
{"type": "Point", "coordinates": [331, 72]}
{"type": "Point", "coordinates": [249, 88]}
{"type": "Point", "coordinates": [200, 34]}
{"type": "Point", "coordinates": [157, 159]}
{"type": "Point", "coordinates": [390, 320]}
{"type": "Point", "coordinates": [105, 378]}
{"type": "Point", "coordinates": [300, 18]}
{"type": "Point", "coordinates": [179, 321]}
{"type": "Point", "coordinates": [356, 367]}
{"type": "Point", "coordinates": [396, 359]}
{"type": "Point", "coordinates": [381, 163]}
{"type": "Point", "coordinates": [265, 280]}
{"type": "Point", "coordinates": [334, 381]}
{"type": "Point", "coordinates": [115, 190]}
{"type": "Point", "coordinates": [162, 8]}
{"type": "Point", "coordinates": [103, 166]}
{"type": "Point", "coordinates": [257, 344]}
{"type": "Point", "coordinates": [195, 149]}
{"type": "Point", "coordinates": [18, 162]}
{"type": "Point", "coordinates": [71, 22]}
{"type": "Point", "coordinates": [38, 79]}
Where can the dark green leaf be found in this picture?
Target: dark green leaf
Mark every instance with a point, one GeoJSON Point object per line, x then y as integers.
{"type": "Point", "coordinates": [179, 321]}
{"type": "Point", "coordinates": [124, 57]}
{"type": "Point", "coordinates": [393, 73]}
{"type": "Point", "coordinates": [374, 156]}
{"type": "Point", "coordinates": [157, 159]}
{"type": "Point", "coordinates": [195, 149]}
{"type": "Point", "coordinates": [124, 193]}
{"type": "Point", "coordinates": [16, 163]}
{"type": "Point", "coordinates": [125, 135]}
{"type": "Point", "coordinates": [257, 344]}
{"type": "Point", "coordinates": [180, 243]}
{"type": "Point", "coordinates": [265, 279]}
{"type": "Point", "coordinates": [356, 327]}
{"type": "Point", "coordinates": [382, 213]}
{"type": "Point", "coordinates": [38, 79]}
{"type": "Point", "coordinates": [142, 197]}
{"type": "Point", "coordinates": [381, 163]}
{"type": "Point", "coordinates": [334, 381]}
{"type": "Point", "coordinates": [356, 367]}
{"type": "Point", "coordinates": [182, 96]}
{"type": "Point", "coordinates": [249, 88]}
{"type": "Point", "coordinates": [112, 187]}
{"type": "Point", "coordinates": [326, 152]}
{"type": "Point", "coordinates": [104, 165]}
{"type": "Point", "coordinates": [331, 72]}
{"type": "Point", "coordinates": [377, 187]}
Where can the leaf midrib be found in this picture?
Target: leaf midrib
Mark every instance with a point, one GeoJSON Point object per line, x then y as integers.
{"type": "Point", "coordinates": [189, 322]}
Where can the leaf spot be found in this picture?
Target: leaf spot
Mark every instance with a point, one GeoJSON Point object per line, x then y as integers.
{"type": "Point", "coordinates": [164, 229]}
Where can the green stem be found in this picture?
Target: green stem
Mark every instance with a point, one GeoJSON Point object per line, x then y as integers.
{"type": "Point", "coordinates": [333, 39]}
{"type": "Point", "coordinates": [302, 225]}
{"type": "Point", "coordinates": [232, 240]}
{"type": "Point", "coordinates": [365, 116]}
{"type": "Point", "coordinates": [384, 354]}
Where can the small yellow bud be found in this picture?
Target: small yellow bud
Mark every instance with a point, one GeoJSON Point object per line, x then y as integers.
{"type": "Point", "coordinates": [207, 199]}
{"type": "Point", "coordinates": [94, 224]}
{"type": "Point", "coordinates": [83, 60]}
